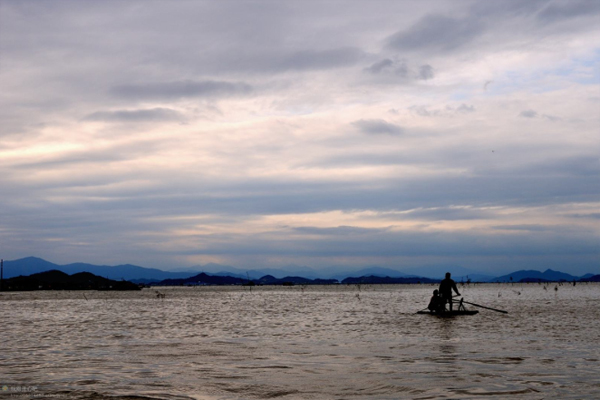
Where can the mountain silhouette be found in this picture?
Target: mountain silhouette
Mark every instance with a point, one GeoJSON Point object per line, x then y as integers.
{"type": "Point", "coordinates": [206, 279]}
{"type": "Point", "coordinates": [592, 278]}
{"type": "Point", "coordinates": [58, 280]}
{"type": "Point", "coordinates": [534, 276]}
{"type": "Point", "coordinates": [304, 275]}
{"type": "Point", "coordinates": [33, 265]}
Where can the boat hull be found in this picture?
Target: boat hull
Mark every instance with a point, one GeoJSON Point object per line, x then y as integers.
{"type": "Point", "coordinates": [450, 313]}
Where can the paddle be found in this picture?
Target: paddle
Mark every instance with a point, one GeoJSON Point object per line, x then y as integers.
{"type": "Point", "coordinates": [478, 305]}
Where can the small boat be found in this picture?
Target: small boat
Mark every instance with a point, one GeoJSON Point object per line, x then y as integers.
{"type": "Point", "coordinates": [450, 313]}
{"type": "Point", "coordinates": [461, 310]}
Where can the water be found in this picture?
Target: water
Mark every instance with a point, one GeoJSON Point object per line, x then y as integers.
{"type": "Point", "coordinates": [328, 342]}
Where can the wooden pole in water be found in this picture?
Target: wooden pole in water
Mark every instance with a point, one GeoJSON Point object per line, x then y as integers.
{"type": "Point", "coordinates": [1, 274]}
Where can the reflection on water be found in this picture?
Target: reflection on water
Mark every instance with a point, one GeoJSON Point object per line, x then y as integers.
{"type": "Point", "coordinates": [306, 343]}
{"type": "Point", "coordinates": [446, 346]}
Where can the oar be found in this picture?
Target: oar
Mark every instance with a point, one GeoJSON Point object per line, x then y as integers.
{"type": "Point", "coordinates": [487, 308]}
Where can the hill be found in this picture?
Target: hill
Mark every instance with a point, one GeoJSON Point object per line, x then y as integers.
{"type": "Point", "coordinates": [206, 279]}
{"type": "Point", "coordinates": [592, 278]}
{"type": "Point", "coordinates": [58, 280]}
{"type": "Point", "coordinates": [203, 279]}
{"type": "Point", "coordinates": [375, 271]}
{"type": "Point", "coordinates": [535, 276]}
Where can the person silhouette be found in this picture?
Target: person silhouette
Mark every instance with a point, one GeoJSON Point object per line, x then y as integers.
{"type": "Point", "coordinates": [435, 303]}
{"type": "Point", "coordinates": [446, 287]}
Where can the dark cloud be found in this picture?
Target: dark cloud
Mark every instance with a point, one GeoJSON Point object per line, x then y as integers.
{"type": "Point", "coordinates": [338, 231]}
{"type": "Point", "coordinates": [336, 242]}
{"type": "Point", "coordinates": [256, 197]}
{"type": "Point", "coordinates": [149, 115]}
{"type": "Point", "coordinates": [425, 72]}
{"type": "Point", "coordinates": [399, 71]}
{"type": "Point", "coordinates": [377, 127]}
{"type": "Point", "coordinates": [423, 111]}
{"type": "Point", "coordinates": [436, 32]}
{"type": "Point", "coordinates": [527, 228]}
{"type": "Point", "coordinates": [552, 118]}
{"type": "Point", "coordinates": [562, 10]}
{"type": "Point", "coordinates": [182, 89]}
{"type": "Point", "coordinates": [585, 216]}
{"type": "Point", "coordinates": [528, 114]}
{"type": "Point", "coordinates": [534, 114]}
{"type": "Point", "coordinates": [506, 8]}
{"type": "Point", "coordinates": [275, 61]}
{"type": "Point", "coordinates": [581, 166]}
{"type": "Point", "coordinates": [380, 66]}
{"type": "Point", "coordinates": [463, 108]}
{"type": "Point", "coordinates": [316, 59]}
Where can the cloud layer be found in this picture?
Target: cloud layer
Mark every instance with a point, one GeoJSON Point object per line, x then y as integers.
{"type": "Point", "coordinates": [273, 133]}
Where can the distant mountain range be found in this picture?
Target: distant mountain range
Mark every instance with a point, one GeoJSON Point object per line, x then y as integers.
{"type": "Point", "coordinates": [433, 272]}
{"type": "Point", "coordinates": [291, 273]}
{"type": "Point", "coordinates": [532, 276]}
{"type": "Point", "coordinates": [34, 265]}
{"type": "Point", "coordinates": [205, 279]}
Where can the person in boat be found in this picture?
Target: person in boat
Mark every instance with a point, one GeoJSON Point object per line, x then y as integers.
{"type": "Point", "coordinates": [446, 287]}
{"type": "Point", "coordinates": [435, 303]}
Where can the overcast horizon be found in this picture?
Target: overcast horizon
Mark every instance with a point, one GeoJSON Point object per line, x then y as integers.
{"type": "Point", "coordinates": [260, 134]}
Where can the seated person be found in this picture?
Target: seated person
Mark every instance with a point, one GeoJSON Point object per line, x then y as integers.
{"type": "Point", "coordinates": [436, 304]}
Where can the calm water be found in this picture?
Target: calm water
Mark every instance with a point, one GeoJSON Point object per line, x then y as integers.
{"type": "Point", "coordinates": [340, 342]}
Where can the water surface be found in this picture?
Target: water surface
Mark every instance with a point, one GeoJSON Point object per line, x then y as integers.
{"type": "Point", "coordinates": [314, 342]}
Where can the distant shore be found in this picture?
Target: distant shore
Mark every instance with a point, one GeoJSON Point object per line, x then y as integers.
{"type": "Point", "coordinates": [57, 280]}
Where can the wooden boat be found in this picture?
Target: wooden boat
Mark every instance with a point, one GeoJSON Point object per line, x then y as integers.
{"type": "Point", "coordinates": [460, 310]}
{"type": "Point", "coordinates": [450, 313]}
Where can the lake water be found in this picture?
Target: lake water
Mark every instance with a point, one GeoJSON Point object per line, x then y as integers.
{"type": "Point", "coordinates": [320, 342]}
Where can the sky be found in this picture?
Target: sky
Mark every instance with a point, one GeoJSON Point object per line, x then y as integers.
{"type": "Point", "coordinates": [327, 134]}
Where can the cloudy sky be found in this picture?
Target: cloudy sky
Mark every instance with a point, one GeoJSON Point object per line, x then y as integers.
{"type": "Point", "coordinates": [321, 133]}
